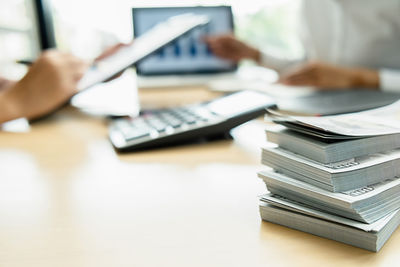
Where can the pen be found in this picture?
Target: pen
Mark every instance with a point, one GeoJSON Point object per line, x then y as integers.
{"type": "Point", "coordinates": [25, 62]}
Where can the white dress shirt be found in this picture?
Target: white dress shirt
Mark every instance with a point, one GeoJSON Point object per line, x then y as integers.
{"type": "Point", "coordinates": [351, 33]}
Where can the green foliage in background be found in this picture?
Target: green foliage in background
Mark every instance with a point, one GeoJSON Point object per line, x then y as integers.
{"type": "Point", "coordinates": [274, 29]}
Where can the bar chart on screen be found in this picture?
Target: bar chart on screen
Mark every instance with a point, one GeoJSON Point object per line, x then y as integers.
{"type": "Point", "coordinates": [189, 53]}
{"type": "Point", "coordinates": [187, 46]}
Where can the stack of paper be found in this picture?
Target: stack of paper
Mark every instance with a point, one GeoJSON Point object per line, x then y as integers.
{"type": "Point", "coordinates": [335, 176]}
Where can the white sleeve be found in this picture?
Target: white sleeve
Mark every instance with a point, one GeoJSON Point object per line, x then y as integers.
{"type": "Point", "coordinates": [280, 64]}
{"type": "Point", "coordinates": [389, 80]}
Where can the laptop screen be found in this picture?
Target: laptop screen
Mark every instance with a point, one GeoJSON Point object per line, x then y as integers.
{"type": "Point", "coordinates": [188, 54]}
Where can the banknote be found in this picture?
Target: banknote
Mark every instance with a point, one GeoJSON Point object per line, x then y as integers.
{"type": "Point", "coordinates": [301, 208]}
{"type": "Point", "coordinates": [349, 165]}
{"type": "Point", "coordinates": [342, 176]}
{"type": "Point", "coordinates": [346, 199]}
{"type": "Point", "coordinates": [379, 121]}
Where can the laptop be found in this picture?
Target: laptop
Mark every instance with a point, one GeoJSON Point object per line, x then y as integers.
{"type": "Point", "coordinates": [332, 102]}
{"type": "Point", "coordinates": [187, 61]}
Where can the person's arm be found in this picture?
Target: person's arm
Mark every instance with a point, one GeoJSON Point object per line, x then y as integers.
{"type": "Point", "coordinates": [5, 83]}
{"type": "Point", "coordinates": [7, 106]}
{"type": "Point", "coordinates": [6, 100]}
{"type": "Point", "coordinates": [328, 76]}
{"type": "Point", "coordinates": [50, 81]}
{"type": "Point", "coordinates": [229, 47]}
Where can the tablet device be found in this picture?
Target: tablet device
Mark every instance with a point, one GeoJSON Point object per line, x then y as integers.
{"type": "Point", "coordinates": [150, 42]}
{"type": "Point", "coordinates": [188, 54]}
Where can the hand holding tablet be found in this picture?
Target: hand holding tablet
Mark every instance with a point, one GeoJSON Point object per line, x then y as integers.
{"type": "Point", "coordinates": [143, 46]}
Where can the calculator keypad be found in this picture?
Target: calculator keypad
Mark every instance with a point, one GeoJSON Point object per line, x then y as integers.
{"type": "Point", "coordinates": [162, 122]}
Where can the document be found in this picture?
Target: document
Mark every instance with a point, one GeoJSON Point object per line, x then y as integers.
{"type": "Point", "coordinates": [143, 46]}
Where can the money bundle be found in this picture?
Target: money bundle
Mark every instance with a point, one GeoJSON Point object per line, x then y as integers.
{"type": "Point", "coordinates": [335, 176]}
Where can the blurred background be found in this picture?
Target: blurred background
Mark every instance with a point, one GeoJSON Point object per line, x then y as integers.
{"type": "Point", "coordinates": [86, 27]}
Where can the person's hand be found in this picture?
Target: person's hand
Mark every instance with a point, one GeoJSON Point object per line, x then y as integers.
{"type": "Point", "coordinates": [326, 76]}
{"type": "Point", "coordinates": [49, 83]}
{"type": "Point", "coordinates": [228, 47]}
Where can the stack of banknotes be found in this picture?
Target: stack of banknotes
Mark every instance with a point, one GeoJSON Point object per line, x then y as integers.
{"type": "Point", "coordinates": [336, 176]}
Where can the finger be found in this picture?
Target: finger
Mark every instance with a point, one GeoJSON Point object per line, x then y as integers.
{"type": "Point", "coordinates": [298, 80]}
{"type": "Point", "coordinates": [301, 81]}
{"type": "Point", "coordinates": [219, 39]}
{"type": "Point", "coordinates": [221, 48]}
{"type": "Point", "coordinates": [115, 76]}
{"type": "Point", "coordinates": [213, 42]}
{"type": "Point", "coordinates": [79, 71]}
{"type": "Point", "coordinates": [299, 77]}
{"type": "Point", "coordinates": [297, 73]}
{"type": "Point", "coordinates": [225, 55]}
{"type": "Point", "coordinates": [308, 82]}
{"type": "Point", "coordinates": [304, 73]}
{"type": "Point", "coordinates": [219, 51]}
{"type": "Point", "coordinates": [295, 83]}
{"type": "Point", "coordinates": [110, 51]}
{"type": "Point", "coordinates": [207, 39]}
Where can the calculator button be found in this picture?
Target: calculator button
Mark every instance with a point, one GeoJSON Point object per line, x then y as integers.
{"type": "Point", "coordinates": [157, 124]}
{"type": "Point", "coordinates": [122, 124]}
{"type": "Point", "coordinates": [135, 134]}
{"type": "Point", "coordinates": [189, 119]}
{"type": "Point", "coordinates": [175, 123]}
{"type": "Point", "coordinates": [171, 120]}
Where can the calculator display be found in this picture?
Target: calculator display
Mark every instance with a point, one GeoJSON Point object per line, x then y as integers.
{"type": "Point", "coordinates": [236, 104]}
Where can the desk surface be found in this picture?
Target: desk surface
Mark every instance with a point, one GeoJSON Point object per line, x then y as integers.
{"type": "Point", "coordinates": [68, 199]}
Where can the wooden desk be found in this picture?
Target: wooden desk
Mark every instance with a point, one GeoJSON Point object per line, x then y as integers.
{"type": "Point", "coordinates": [68, 199]}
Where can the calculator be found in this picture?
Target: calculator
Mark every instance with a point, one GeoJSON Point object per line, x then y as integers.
{"type": "Point", "coordinates": [170, 126]}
